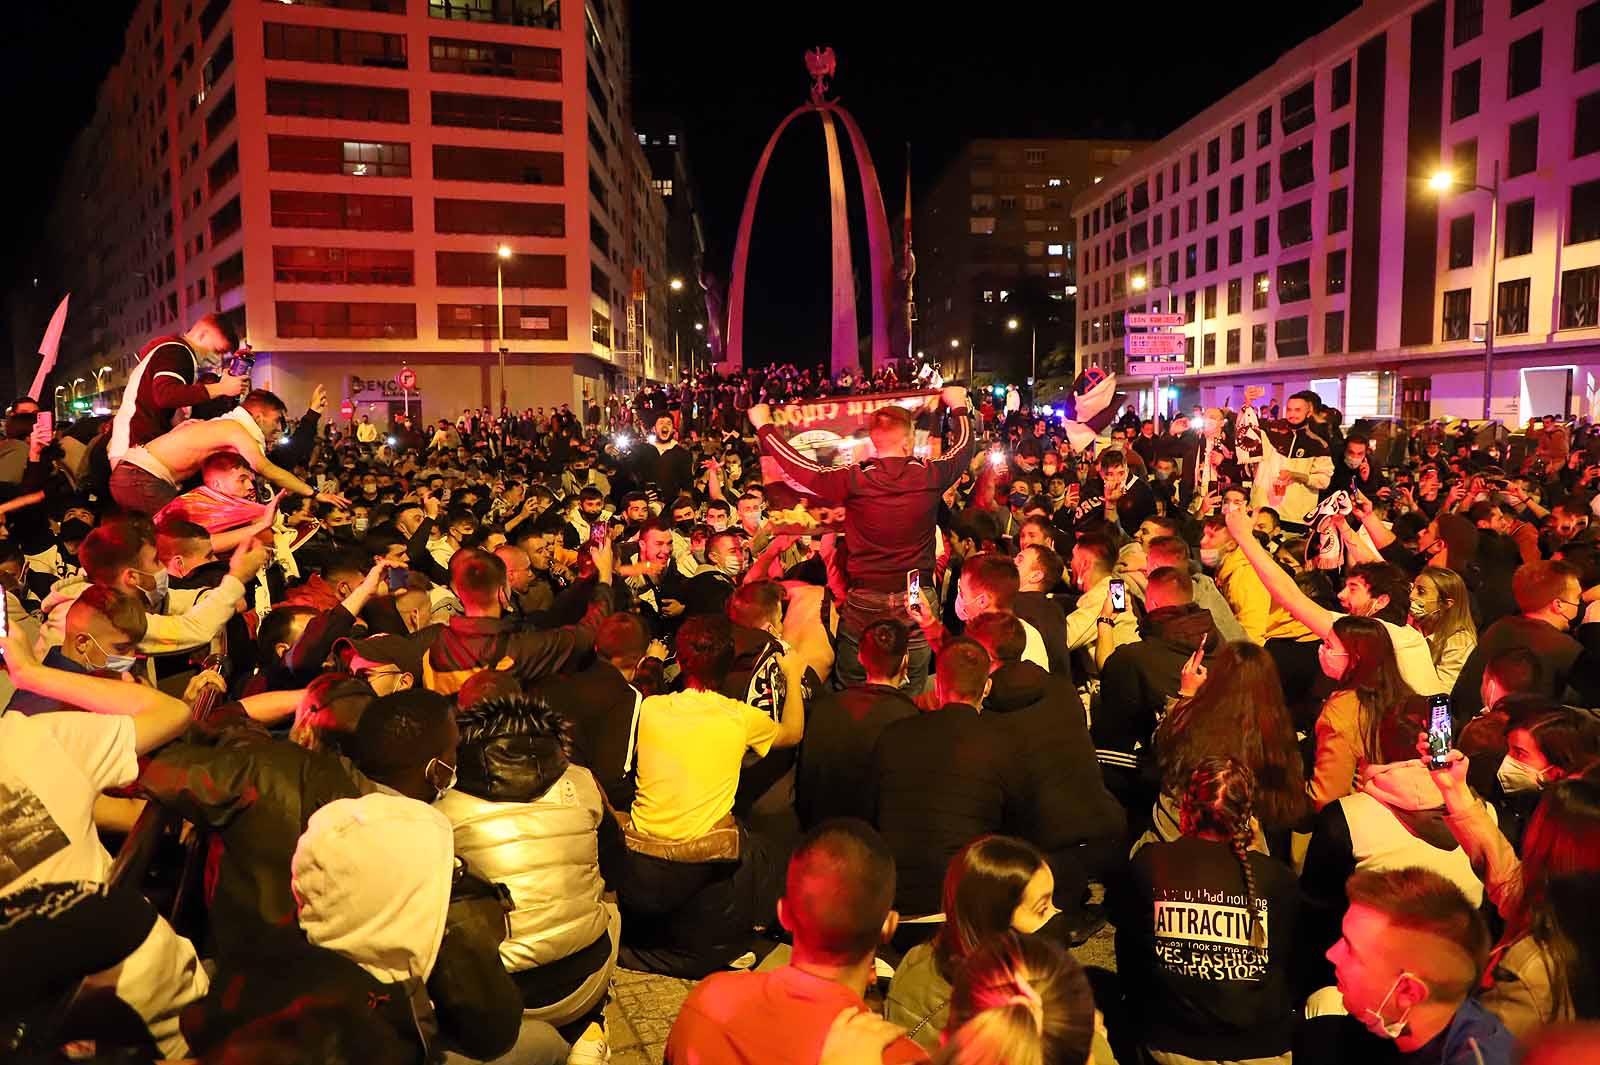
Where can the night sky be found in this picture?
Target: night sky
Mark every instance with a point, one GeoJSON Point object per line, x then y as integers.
{"type": "Point", "coordinates": [731, 71]}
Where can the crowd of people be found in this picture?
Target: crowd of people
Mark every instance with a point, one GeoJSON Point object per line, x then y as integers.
{"type": "Point", "coordinates": [406, 740]}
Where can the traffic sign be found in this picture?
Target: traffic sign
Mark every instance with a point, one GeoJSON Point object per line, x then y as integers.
{"type": "Point", "coordinates": [347, 409]}
{"type": "Point", "coordinates": [1140, 320]}
{"type": "Point", "coordinates": [1154, 343]}
{"type": "Point", "coordinates": [407, 379]}
{"type": "Point", "coordinates": [1156, 367]}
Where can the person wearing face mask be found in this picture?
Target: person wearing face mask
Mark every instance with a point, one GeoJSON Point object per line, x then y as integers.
{"type": "Point", "coordinates": [1407, 963]}
{"type": "Point", "coordinates": [121, 556]}
{"type": "Point", "coordinates": [1543, 744]}
{"type": "Point", "coordinates": [727, 561]}
{"type": "Point", "coordinates": [1440, 610]}
{"type": "Point", "coordinates": [103, 633]}
{"type": "Point", "coordinates": [1550, 599]}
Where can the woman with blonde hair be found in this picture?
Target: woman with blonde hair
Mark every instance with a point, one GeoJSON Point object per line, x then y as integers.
{"type": "Point", "coordinates": [1021, 1000]}
{"type": "Point", "coordinates": [1442, 611]}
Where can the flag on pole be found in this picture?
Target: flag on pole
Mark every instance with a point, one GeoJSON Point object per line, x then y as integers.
{"type": "Point", "coordinates": [48, 348]}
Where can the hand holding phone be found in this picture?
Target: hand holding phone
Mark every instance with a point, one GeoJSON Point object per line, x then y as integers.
{"type": "Point", "coordinates": [913, 590]}
{"type": "Point", "coordinates": [1440, 731]}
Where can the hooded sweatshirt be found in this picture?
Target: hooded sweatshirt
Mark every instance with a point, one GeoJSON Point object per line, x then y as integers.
{"type": "Point", "coordinates": [1394, 820]}
{"type": "Point", "coordinates": [1139, 679]}
{"type": "Point", "coordinates": [372, 879]}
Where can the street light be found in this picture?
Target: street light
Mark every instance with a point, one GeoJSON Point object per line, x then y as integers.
{"type": "Point", "coordinates": [676, 284]}
{"type": "Point", "coordinates": [1013, 325]}
{"type": "Point", "coordinates": [1442, 182]}
{"type": "Point", "coordinates": [98, 388]}
{"type": "Point", "coordinates": [502, 253]}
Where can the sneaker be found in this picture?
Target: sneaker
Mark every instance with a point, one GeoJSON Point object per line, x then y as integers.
{"type": "Point", "coordinates": [591, 1049]}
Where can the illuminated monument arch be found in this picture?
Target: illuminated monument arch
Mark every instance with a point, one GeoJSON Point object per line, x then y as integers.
{"type": "Point", "coordinates": [846, 352]}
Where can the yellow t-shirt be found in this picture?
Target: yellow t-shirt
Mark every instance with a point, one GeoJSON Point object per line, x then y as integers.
{"type": "Point", "coordinates": [691, 745]}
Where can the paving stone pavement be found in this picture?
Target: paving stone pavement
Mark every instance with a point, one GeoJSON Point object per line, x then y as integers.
{"type": "Point", "coordinates": [643, 1006]}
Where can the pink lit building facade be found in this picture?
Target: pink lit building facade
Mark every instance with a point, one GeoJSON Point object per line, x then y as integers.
{"type": "Point", "coordinates": [336, 176]}
{"type": "Point", "coordinates": [1294, 225]}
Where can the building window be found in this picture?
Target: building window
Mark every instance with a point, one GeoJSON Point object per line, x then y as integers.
{"type": "Point", "coordinates": [481, 321]}
{"type": "Point", "coordinates": [1210, 349]}
{"type": "Point", "coordinates": [1172, 267]}
{"type": "Point", "coordinates": [1524, 64]}
{"type": "Point", "coordinates": [1155, 228]}
{"type": "Point", "coordinates": [1586, 53]}
{"type": "Point", "coordinates": [1457, 319]}
{"type": "Point", "coordinates": [1034, 202]}
{"type": "Point", "coordinates": [356, 103]}
{"type": "Point", "coordinates": [1194, 213]}
{"type": "Point", "coordinates": [1213, 155]}
{"type": "Point", "coordinates": [1332, 332]}
{"type": "Point", "coordinates": [1522, 154]}
{"type": "Point", "coordinates": [325, 44]}
{"type": "Point", "coordinates": [541, 14]}
{"type": "Point", "coordinates": [1298, 108]}
{"type": "Point", "coordinates": [1520, 6]}
{"type": "Point", "coordinates": [500, 219]}
{"type": "Point", "coordinates": [1235, 295]}
{"type": "Point", "coordinates": [1462, 235]}
{"type": "Point", "coordinates": [1294, 281]}
{"type": "Point", "coordinates": [1213, 204]}
{"type": "Point", "coordinates": [1341, 85]}
{"type": "Point", "coordinates": [1236, 194]}
{"type": "Point", "coordinates": [1519, 229]}
{"type": "Point", "coordinates": [502, 165]}
{"type": "Point", "coordinates": [317, 155]}
{"type": "Point", "coordinates": [1235, 245]}
{"type": "Point", "coordinates": [1194, 166]}
{"type": "Point", "coordinates": [1468, 21]}
{"type": "Point", "coordinates": [1586, 131]}
{"type": "Point", "coordinates": [1292, 337]}
{"type": "Point", "coordinates": [1464, 161]}
{"type": "Point", "coordinates": [1295, 167]}
{"type": "Point", "coordinates": [1233, 346]}
{"type": "Point", "coordinates": [1294, 224]}
{"type": "Point", "coordinates": [1258, 342]}
{"type": "Point", "coordinates": [486, 59]}
{"type": "Point", "coordinates": [1464, 85]}
{"type": "Point", "coordinates": [982, 227]}
{"type": "Point", "coordinates": [1263, 182]}
{"type": "Point", "coordinates": [1338, 210]}
{"type": "Point", "coordinates": [522, 114]}
{"type": "Point", "coordinates": [1053, 249]}
{"type": "Point", "coordinates": [1236, 143]}
{"type": "Point", "coordinates": [304, 265]}
{"type": "Point", "coordinates": [1189, 308]}
{"type": "Point", "coordinates": [1211, 301]}
{"type": "Point", "coordinates": [1583, 220]}
{"type": "Point", "coordinates": [471, 269]}
{"type": "Point", "coordinates": [1264, 127]}
{"type": "Point", "coordinates": [1263, 237]}
{"type": "Point", "coordinates": [1141, 196]}
{"type": "Point", "coordinates": [1260, 288]}
{"type": "Point", "coordinates": [340, 210]}
{"type": "Point", "coordinates": [1339, 149]}
{"type": "Point", "coordinates": [1033, 156]}
{"type": "Point", "coordinates": [358, 321]}
{"type": "Point", "coordinates": [1035, 247]}
{"type": "Point", "coordinates": [1191, 260]}
{"type": "Point", "coordinates": [1580, 298]}
{"type": "Point", "coordinates": [1336, 272]}
{"type": "Point", "coordinates": [1512, 307]}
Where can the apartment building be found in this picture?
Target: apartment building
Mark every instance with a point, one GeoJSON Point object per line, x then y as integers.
{"type": "Point", "coordinates": [666, 148]}
{"type": "Point", "coordinates": [995, 243]}
{"type": "Point", "coordinates": [1328, 224]}
{"type": "Point", "coordinates": [339, 178]}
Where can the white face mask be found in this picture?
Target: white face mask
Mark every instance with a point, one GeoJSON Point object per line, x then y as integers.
{"type": "Point", "coordinates": [1210, 556]}
{"type": "Point", "coordinates": [1373, 1019]}
{"type": "Point", "coordinates": [1517, 777]}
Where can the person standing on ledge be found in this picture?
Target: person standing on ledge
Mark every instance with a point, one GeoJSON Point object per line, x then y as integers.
{"type": "Point", "coordinates": [891, 506]}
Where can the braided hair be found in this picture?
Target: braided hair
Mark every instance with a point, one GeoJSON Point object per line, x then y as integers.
{"type": "Point", "coordinates": [1218, 805]}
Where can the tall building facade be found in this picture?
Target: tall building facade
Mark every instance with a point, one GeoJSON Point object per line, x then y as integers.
{"type": "Point", "coordinates": [666, 148]}
{"type": "Point", "coordinates": [338, 178]}
{"type": "Point", "coordinates": [1328, 224]}
{"type": "Point", "coordinates": [995, 243]}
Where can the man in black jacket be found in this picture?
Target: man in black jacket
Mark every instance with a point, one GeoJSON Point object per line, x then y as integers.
{"type": "Point", "coordinates": [1039, 569]}
{"type": "Point", "coordinates": [834, 778]}
{"type": "Point", "coordinates": [1067, 811]}
{"type": "Point", "coordinates": [943, 779]}
{"type": "Point", "coordinates": [664, 463]}
{"type": "Point", "coordinates": [1140, 679]}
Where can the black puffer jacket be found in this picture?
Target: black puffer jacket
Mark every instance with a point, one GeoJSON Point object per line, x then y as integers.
{"type": "Point", "coordinates": [1040, 719]}
{"type": "Point", "coordinates": [1139, 678]}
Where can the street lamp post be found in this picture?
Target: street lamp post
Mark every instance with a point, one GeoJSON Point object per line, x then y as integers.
{"type": "Point", "coordinates": [1033, 372]}
{"type": "Point", "coordinates": [502, 253]}
{"type": "Point", "coordinates": [1139, 283]}
{"type": "Point", "coordinates": [1442, 182]}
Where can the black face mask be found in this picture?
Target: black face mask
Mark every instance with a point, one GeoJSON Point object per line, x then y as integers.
{"type": "Point", "coordinates": [685, 527]}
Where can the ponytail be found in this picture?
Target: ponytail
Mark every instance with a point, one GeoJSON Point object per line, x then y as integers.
{"type": "Point", "coordinates": [1219, 803]}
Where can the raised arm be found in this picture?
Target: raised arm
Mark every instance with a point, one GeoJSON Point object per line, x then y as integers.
{"type": "Point", "coordinates": [827, 483]}
{"type": "Point", "coordinates": [1279, 584]}
{"type": "Point", "coordinates": [231, 435]}
{"type": "Point", "coordinates": [792, 723]}
{"type": "Point", "coordinates": [157, 716]}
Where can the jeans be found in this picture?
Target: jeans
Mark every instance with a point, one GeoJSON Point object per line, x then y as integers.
{"type": "Point", "coordinates": [139, 490]}
{"type": "Point", "coordinates": [537, 1044]}
{"type": "Point", "coordinates": [861, 608]}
